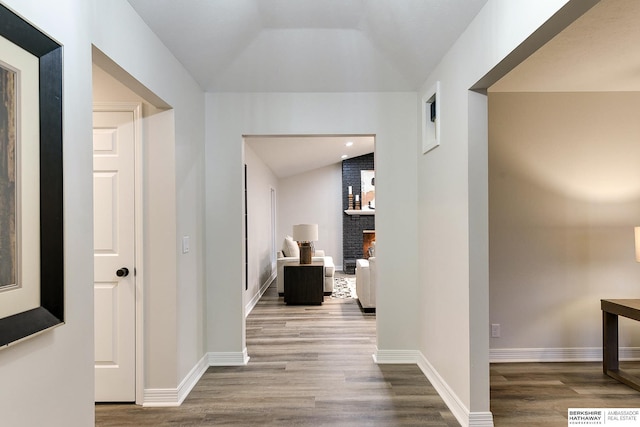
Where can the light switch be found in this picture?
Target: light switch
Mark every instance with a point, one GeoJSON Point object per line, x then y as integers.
{"type": "Point", "coordinates": [185, 244]}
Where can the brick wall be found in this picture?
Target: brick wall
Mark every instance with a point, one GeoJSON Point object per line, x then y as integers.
{"type": "Point", "coordinates": [353, 225]}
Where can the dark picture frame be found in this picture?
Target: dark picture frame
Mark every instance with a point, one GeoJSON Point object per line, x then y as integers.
{"type": "Point", "coordinates": [50, 312]}
{"type": "Point", "coordinates": [431, 108]}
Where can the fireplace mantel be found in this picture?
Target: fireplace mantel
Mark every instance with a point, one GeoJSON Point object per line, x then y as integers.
{"type": "Point", "coordinates": [360, 212]}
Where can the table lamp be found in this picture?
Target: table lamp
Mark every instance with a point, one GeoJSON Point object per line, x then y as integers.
{"type": "Point", "coordinates": [637, 244]}
{"type": "Point", "coordinates": [304, 234]}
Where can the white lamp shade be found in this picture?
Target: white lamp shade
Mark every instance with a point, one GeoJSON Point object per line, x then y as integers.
{"type": "Point", "coordinates": [305, 232]}
{"type": "Point", "coordinates": [637, 244]}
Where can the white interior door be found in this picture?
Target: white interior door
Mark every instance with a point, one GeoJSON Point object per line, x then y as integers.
{"type": "Point", "coordinates": [114, 255]}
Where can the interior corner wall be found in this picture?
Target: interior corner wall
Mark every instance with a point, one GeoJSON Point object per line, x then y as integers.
{"type": "Point", "coordinates": [391, 118]}
{"type": "Point", "coordinates": [260, 181]}
{"type": "Point", "coordinates": [174, 191]}
{"type": "Point", "coordinates": [157, 127]}
{"type": "Point", "coordinates": [48, 379]}
{"type": "Point", "coordinates": [313, 198]}
{"type": "Point", "coordinates": [446, 232]}
{"type": "Point", "coordinates": [565, 196]}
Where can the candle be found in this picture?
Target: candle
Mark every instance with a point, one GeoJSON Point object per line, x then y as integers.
{"type": "Point", "coordinates": [349, 189]}
{"type": "Point", "coordinates": [357, 197]}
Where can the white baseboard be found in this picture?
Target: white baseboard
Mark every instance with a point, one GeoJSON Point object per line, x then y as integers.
{"type": "Point", "coordinates": [581, 354]}
{"type": "Point", "coordinates": [160, 397]}
{"type": "Point", "coordinates": [389, 357]}
{"type": "Point", "coordinates": [455, 405]}
{"type": "Point", "coordinates": [175, 396]}
{"type": "Point", "coordinates": [165, 397]}
{"type": "Point", "coordinates": [480, 419]}
{"type": "Point", "coordinates": [228, 358]}
{"type": "Point", "coordinates": [263, 288]}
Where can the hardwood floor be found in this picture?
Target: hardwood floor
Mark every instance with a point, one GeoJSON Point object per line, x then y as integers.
{"type": "Point", "coordinates": [312, 366]}
{"type": "Point", "coordinates": [539, 394]}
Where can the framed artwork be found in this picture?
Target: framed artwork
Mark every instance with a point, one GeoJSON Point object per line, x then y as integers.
{"type": "Point", "coordinates": [431, 118]}
{"type": "Point", "coordinates": [368, 189]}
{"type": "Point", "coordinates": [31, 205]}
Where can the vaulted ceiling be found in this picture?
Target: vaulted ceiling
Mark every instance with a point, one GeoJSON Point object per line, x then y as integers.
{"type": "Point", "coordinates": [291, 155]}
{"type": "Point", "coordinates": [308, 45]}
{"type": "Point", "coordinates": [374, 45]}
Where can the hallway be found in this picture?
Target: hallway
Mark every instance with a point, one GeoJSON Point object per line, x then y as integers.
{"type": "Point", "coordinates": [310, 366]}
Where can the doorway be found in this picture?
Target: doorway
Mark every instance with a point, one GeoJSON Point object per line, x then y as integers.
{"type": "Point", "coordinates": [112, 97]}
{"type": "Point", "coordinates": [154, 217]}
{"type": "Point", "coordinates": [116, 138]}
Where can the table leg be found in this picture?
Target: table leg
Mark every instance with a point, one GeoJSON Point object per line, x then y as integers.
{"type": "Point", "coordinates": [610, 360]}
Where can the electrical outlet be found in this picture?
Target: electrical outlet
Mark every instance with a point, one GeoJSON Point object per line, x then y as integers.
{"type": "Point", "coordinates": [495, 330]}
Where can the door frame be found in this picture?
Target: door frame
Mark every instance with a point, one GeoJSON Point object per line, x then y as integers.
{"type": "Point", "coordinates": [138, 270]}
{"type": "Point", "coordinates": [273, 196]}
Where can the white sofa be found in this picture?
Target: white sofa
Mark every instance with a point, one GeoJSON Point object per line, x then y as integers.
{"type": "Point", "coordinates": [366, 284]}
{"type": "Point", "coordinates": [329, 270]}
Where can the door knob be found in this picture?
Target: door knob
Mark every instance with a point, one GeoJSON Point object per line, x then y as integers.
{"type": "Point", "coordinates": [122, 272]}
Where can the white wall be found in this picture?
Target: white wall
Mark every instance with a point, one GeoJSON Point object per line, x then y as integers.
{"type": "Point", "coordinates": [174, 200]}
{"type": "Point", "coordinates": [48, 379]}
{"type": "Point", "coordinates": [54, 371]}
{"type": "Point", "coordinates": [260, 181]}
{"type": "Point", "coordinates": [391, 117]}
{"type": "Point", "coordinates": [314, 197]}
{"type": "Point", "coordinates": [453, 277]}
{"type": "Point", "coordinates": [564, 197]}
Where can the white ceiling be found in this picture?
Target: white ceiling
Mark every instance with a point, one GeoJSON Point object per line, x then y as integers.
{"type": "Point", "coordinates": [372, 45]}
{"type": "Point", "coordinates": [308, 45]}
{"type": "Point", "coordinates": [598, 52]}
{"type": "Point", "coordinates": [291, 155]}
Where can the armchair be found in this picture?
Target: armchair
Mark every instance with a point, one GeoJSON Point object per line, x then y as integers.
{"type": "Point", "coordinates": [366, 284]}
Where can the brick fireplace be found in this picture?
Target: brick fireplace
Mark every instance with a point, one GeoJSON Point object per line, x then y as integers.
{"type": "Point", "coordinates": [354, 226]}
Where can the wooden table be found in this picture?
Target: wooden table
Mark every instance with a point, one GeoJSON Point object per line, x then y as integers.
{"type": "Point", "coordinates": [304, 283]}
{"type": "Point", "coordinates": [611, 309]}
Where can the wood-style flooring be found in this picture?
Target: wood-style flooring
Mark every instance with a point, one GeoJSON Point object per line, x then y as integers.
{"type": "Point", "coordinates": [309, 366]}
{"type": "Point", "coordinates": [540, 394]}
{"type": "Point", "coordinates": [313, 366]}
